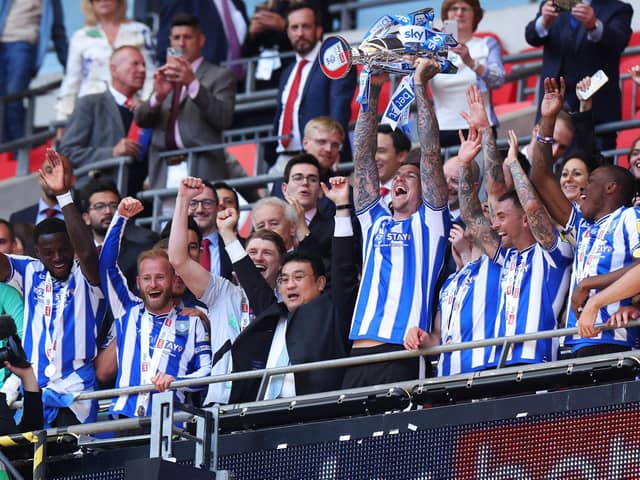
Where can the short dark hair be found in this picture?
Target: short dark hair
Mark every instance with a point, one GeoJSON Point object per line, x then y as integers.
{"type": "Point", "coordinates": [211, 186]}
{"type": "Point", "coordinates": [625, 181]}
{"type": "Point", "coordinates": [186, 20]}
{"type": "Point", "coordinates": [269, 236]}
{"type": "Point", "coordinates": [302, 158]}
{"type": "Point", "coordinates": [295, 6]}
{"type": "Point", "coordinates": [303, 257]}
{"type": "Point", "coordinates": [49, 226]}
{"type": "Point", "coordinates": [191, 225]}
{"type": "Point", "coordinates": [513, 196]}
{"type": "Point", "coordinates": [590, 162]}
{"type": "Point", "coordinates": [99, 183]}
{"type": "Point", "coordinates": [413, 157]}
{"type": "Point", "coordinates": [12, 232]}
{"type": "Point", "coordinates": [226, 186]}
{"type": "Point", "coordinates": [401, 142]}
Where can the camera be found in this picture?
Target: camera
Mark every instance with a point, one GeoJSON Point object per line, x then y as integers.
{"type": "Point", "coordinates": [12, 351]}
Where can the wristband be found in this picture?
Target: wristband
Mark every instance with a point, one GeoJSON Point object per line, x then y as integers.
{"type": "Point", "coordinates": [346, 206]}
{"type": "Point", "coordinates": [545, 140]}
{"type": "Point", "coordinates": [64, 199]}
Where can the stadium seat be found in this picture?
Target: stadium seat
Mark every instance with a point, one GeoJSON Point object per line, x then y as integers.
{"type": "Point", "coordinates": [624, 141]}
{"type": "Point", "coordinates": [8, 164]}
{"type": "Point", "coordinates": [383, 100]}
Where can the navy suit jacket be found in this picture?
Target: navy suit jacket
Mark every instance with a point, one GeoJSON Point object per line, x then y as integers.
{"type": "Point", "coordinates": [570, 53]}
{"type": "Point", "coordinates": [320, 96]}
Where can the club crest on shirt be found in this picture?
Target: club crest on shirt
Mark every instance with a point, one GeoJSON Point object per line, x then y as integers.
{"type": "Point", "coordinates": [182, 326]}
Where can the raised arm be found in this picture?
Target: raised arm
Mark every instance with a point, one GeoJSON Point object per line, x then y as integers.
{"type": "Point", "coordinates": [470, 207]}
{"type": "Point", "coordinates": [558, 206]}
{"type": "Point", "coordinates": [366, 186]}
{"type": "Point", "coordinates": [495, 182]}
{"type": "Point", "coordinates": [540, 223]}
{"type": "Point", "coordinates": [194, 275]}
{"type": "Point", "coordinates": [434, 185]}
{"type": "Point", "coordinates": [79, 235]}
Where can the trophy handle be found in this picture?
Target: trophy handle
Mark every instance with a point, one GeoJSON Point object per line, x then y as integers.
{"type": "Point", "coordinates": [335, 57]}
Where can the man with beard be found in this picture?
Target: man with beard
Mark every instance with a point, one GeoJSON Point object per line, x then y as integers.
{"type": "Point", "coordinates": [305, 92]}
{"type": "Point", "coordinates": [63, 303]}
{"type": "Point", "coordinates": [98, 202]}
{"type": "Point", "coordinates": [156, 342]}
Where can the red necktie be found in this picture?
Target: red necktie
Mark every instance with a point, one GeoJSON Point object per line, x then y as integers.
{"type": "Point", "coordinates": [134, 130]}
{"type": "Point", "coordinates": [50, 212]}
{"type": "Point", "coordinates": [287, 121]}
{"type": "Point", "coordinates": [205, 258]}
{"type": "Point", "coordinates": [384, 191]}
{"type": "Point", "coordinates": [170, 131]}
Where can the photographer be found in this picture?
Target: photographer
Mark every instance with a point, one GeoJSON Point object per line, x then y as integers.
{"type": "Point", "coordinates": [32, 405]}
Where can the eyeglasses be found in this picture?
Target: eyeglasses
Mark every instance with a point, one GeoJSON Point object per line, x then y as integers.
{"type": "Point", "coordinates": [322, 143]}
{"type": "Point", "coordinates": [460, 9]}
{"type": "Point", "coordinates": [297, 278]}
{"type": "Point", "coordinates": [300, 178]}
{"type": "Point", "coordinates": [101, 207]}
{"type": "Point", "coordinates": [206, 203]}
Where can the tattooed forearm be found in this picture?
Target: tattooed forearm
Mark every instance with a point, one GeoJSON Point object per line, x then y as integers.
{"type": "Point", "coordinates": [472, 215]}
{"type": "Point", "coordinates": [540, 222]}
{"type": "Point", "coordinates": [495, 183]}
{"type": "Point", "coordinates": [366, 180]}
{"type": "Point", "coordinates": [434, 185]}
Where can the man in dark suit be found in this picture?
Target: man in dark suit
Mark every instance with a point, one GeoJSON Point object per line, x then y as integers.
{"type": "Point", "coordinates": [99, 200]}
{"type": "Point", "coordinates": [576, 44]}
{"type": "Point", "coordinates": [310, 324]}
{"type": "Point", "coordinates": [205, 108]}
{"type": "Point", "coordinates": [204, 210]}
{"type": "Point", "coordinates": [100, 126]}
{"type": "Point", "coordinates": [47, 206]}
{"type": "Point", "coordinates": [306, 90]}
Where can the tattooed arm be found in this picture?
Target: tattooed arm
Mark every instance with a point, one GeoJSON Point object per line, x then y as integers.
{"type": "Point", "coordinates": [366, 186]}
{"type": "Point", "coordinates": [495, 182]}
{"type": "Point", "coordinates": [434, 185]}
{"type": "Point", "coordinates": [548, 187]}
{"type": "Point", "coordinates": [540, 222]}
{"type": "Point", "coordinates": [470, 207]}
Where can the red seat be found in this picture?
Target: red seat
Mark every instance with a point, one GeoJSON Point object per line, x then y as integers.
{"type": "Point", "coordinates": [635, 39]}
{"type": "Point", "coordinates": [383, 99]}
{"type": "Point", "coordinates": [8, 164]}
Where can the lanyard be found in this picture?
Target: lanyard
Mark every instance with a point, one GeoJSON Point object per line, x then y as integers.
{"type": "Point", "coordinates": [51, 337]}
{"type": "Point", "coordinates": [454, 296]}
{"type": "Point", "coordinates": [587, 264]}
{"type": "Point", "coordinates": [515, 275]}
{"type": "Point", "coordinates": [149, 363]}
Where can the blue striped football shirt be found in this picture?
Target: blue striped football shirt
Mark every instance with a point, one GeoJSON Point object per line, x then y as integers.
{"type": "Point", "coordinates": [83, 310]}
{"type": "Point", "coordinates": [602, 247]}
{"type": "Point", "coordinates": [187, 351]}
{"type": "Point", "coordinates": [468, 307]}
{"type": "Point", "coordinates": [533, 288]}
{"type": "Point", "coordinates": [401, 263]}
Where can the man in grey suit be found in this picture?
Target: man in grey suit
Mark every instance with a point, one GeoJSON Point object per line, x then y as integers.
{"type": "Point", "coordinates": [207, 100]}
{"type": "Point", "coordinates": [101, 124]}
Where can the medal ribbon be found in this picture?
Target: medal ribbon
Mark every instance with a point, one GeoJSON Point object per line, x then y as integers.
{"type": "Point", "coordinates": [51, 337]}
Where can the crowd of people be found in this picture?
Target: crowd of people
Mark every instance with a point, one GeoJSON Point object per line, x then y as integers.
{"type": "Point", "coordinates": [407, 253]}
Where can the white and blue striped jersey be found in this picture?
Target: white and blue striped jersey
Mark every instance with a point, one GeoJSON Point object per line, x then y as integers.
{"type": "Point", "coordinates": [401, 263]}
{"type": "Point", "coordinates": [187, 349]}
{"type": "Point", "coordinates": [468, 307]}
{"type": "Point", "coordinates": [533, 288]}
{"type": "Point", "coordinates": [83, 310]}
{"type": "Point", "coordinates": [602, 247]}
